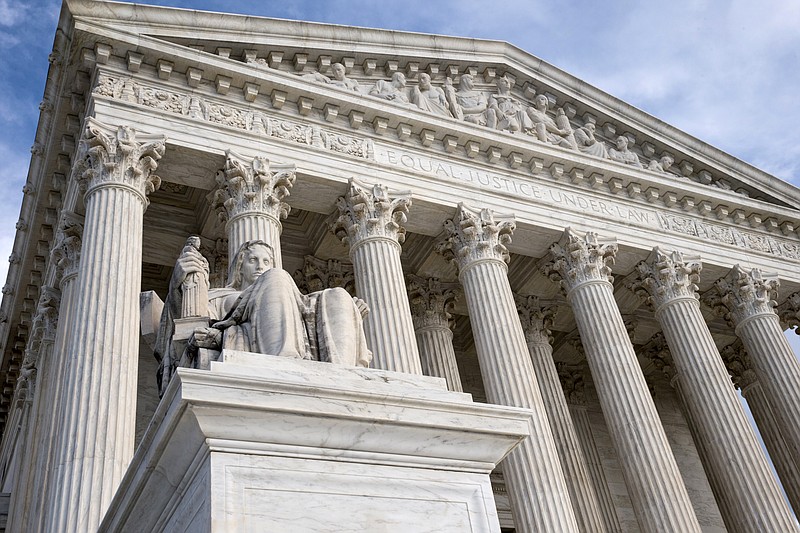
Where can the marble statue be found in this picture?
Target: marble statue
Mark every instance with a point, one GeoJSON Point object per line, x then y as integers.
{"type": "Point", "coordinates": [466, 103]}
{"type": "Point", "coordinates": [587, 143]}
{"type": "Point", "coordinates": [394, 90]}
{"type": "Point", "coordinates": [545, 128]}
{"type": "Point", "coordinates": [661, 165]}
{"type": "Point", "coordinates": [430, 98]}
{"type": "Point", "coordinates": [506, 112]}
{"type": "Point", "coordinates": [623, 154]}
{"type": "Point", "coordinates": [339, 78]}
{"type": "Point", "coordinates": [262, 311]}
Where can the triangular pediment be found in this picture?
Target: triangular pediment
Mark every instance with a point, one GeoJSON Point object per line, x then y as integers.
{"type": "Point", "coordinates": [295, 61]}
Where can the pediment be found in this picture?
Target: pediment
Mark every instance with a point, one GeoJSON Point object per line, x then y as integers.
{"type": "Point", "coordinates": [295, 61]}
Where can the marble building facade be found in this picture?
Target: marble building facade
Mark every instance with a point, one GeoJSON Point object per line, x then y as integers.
{"type": "Point", "coordinates": [527, 239]}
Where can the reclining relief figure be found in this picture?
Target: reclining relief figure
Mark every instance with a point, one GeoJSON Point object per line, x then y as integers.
{"type": "Point", "coordinates": [262, 311]}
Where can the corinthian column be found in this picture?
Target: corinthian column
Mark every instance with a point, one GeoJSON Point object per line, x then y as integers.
{"type": "Point", "coordinates": [65, 255]}
{"type": "Point", "coordinates": [36, 369]}
{"type": "Point", "coordinates": [250, 201]}
{"type": "Point", "coordinates": [659, 497]}
{"type": "Point", "coordinates": [747, 300]}
{"type": "Point", "coordinates": [739, 470]}
{"type": "Point", "coordinates": [115, 168]}
{"type": "Point", "coordinates": [370, 221]}
{"type": "Point", "coordinates": [475, 243]}
{"type": "Point", "coordinates": [741, 370]}
{"type": "Point", "coordinates": [536, 322]}
{"type": "Point", "coordinates": [431, 303]}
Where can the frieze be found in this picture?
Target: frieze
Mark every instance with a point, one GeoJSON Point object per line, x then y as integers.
{"type": "Point", "coordinates": [197, 108]}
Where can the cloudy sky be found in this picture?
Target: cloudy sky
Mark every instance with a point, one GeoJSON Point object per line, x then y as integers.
{"type": "Point", "coordinates": [726, 72]}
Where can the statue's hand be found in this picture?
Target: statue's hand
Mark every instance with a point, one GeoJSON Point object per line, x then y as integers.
{"type": "Point", "coordinates": [207, 338]}
{"type": "Point", "coordinates": [190, 261]}
{"type": "Point", "coordinates": [362, 307]}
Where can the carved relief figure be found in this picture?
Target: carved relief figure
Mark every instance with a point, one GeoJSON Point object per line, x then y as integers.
{"type": "Point", "coordinates": [661, 165]}
{"type": "Point", "coordinates": [429, 98]}
{"type": "Point", "coordinates": [587, 143]}
{"type": "Point", "coordinates": [262, 311]}
{"type": "Point", "coordinates": [623, 154]}
{"type": "Point", "coordinates": [466, 104]}
{"type": "Point", "coordinates": [339, 78]}
{"type": "Point", "coordinates": [394, 91]}
{"type": "Point", "coordinates": [545, 128]}
{"type": "Point", "coordinates": [504, 111]}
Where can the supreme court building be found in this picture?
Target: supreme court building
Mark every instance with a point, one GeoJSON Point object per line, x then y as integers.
{"type": "Point", "coordinates": [564, 294]}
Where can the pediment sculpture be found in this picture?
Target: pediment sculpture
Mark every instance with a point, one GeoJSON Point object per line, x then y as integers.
{"type": "Point", "coordinates": [261, 310]}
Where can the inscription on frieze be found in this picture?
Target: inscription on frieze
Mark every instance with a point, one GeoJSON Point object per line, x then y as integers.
{"type": "Point", "coordinates": [447, 170]}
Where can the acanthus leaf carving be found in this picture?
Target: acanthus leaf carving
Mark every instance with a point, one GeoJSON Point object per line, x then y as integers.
{"type": "Point", "coordinates": [431, 302]}
{"type": "Point", "coordinates": [66, 251]}
{"type": "Point", "coordinates": [476, 234]}
{"type": "Point", "coordinates": [572, 382]}
{"type": "Point", "coordinates": [536, 319]}
{"type": "Point", "coordinates": [743, 294]}
{"type": "Point", "coordinates": [319, 274]}
{"type": "Point", "coordinates": [371, 211]}
{"type": "Point", "coordinates": [664, 277]}
{"type": "Point", "coordinates": [577, 260]}
{"type": "Point", "coordinates": [737, 361]}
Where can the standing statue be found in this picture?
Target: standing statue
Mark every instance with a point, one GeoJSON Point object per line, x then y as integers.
{"type": "Point", "coordinates": [587, 143]}
{"type": "Point", "coordinates": [394, 91]}
{"type": "Point", "coordinates": [466, 104]}
{"type": "Point", "coordinates": [505, 112]}
{"type": "Point", "coordinates": [623, 154]}
{"type": "Point", "coordinates": [548, 130]}
{"type": "Point", "coordinates": [429, 98]}
{"type": "Point", "coordinates": [262, 311]}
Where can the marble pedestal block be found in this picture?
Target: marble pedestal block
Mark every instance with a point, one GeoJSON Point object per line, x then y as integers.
{"type": "Point", "coordinates": [263, 443]}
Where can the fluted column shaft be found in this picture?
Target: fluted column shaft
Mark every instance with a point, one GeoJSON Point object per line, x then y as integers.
{"type": "Point", "coordinates": [437, 355]}
{"type": "Point", "coordinates": [787, 469]}
{"type": "Point", "coordinates": [594, 464]}
{"type": "Point", "coordinates": [654, 482]}
{"type": "Point", "coordinates": [537, 490]}
{"type": "Point", "coordinates": [251, 227]}
{"type": "Point", "coordinates": [587, 510]}
{"type": "Point", "coordinates": [741, 474]}
{"type": "Point", "coordinates": [431, 302]}
{"type": "Point", "coordinates": [96, 442]}
{"type": "Point", "coordinates": [371, 223]}
{"type": "Point", "coordinates": [747, 301]}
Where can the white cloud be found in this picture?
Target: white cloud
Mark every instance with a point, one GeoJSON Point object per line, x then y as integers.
{"type": "Point", "coordinates": [11, 12]}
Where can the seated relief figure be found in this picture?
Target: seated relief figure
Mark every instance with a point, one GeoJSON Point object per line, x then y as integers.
{"type": "Point", "coordinates": [394, 90]}
{"type": "Point", "coordinates": [339, 78]}
{"type": "Point", "coordinates": [587, 143]}
{"type": "Point", "coordinates": [262, 311]}
{"type": "Point", "coordinates": [548, 130]}
{"type": "Point", "coordinates": [466, 103]}
{"type": "Point", "coordinates": [661, 165]}
{"type": "Point", "coordinates": [623, 154]}
{"type": "Point", "coordinates": [506, 112]}
{"type": "Point", "coordinates": [429, 98]}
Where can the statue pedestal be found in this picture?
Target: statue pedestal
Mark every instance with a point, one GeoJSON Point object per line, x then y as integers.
{"type": "Point", "coordinates": [263, 443]}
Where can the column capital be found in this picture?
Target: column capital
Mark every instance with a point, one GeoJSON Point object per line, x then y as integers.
{"type": "Point", "coordinates": [741, 295]}
{"type": "Point", "coordinates": [431, 301]}
{"type": "Point", "coordinates": [789, 311]}
{"type": "Point", "coordinates": [319, 274]}
{"type": "Point", "coordinates": [737, 361]}
{"type": "Point", "coordinates": [536, 319]}
{"type": "Point", "coordinates": [577, 260]}
{"type": "Point", "coordinates": [665, 277]}
{"type": "Point", "coordinates": [572, 382]}
{"type": "Point", "coordinates": [118, 156]}
{"type": "Point", "coordinates": [66, 250]}
{"type": "Point", "coordinates": [657, 351]}
{"type": "Point", "coordinates": [252, 187]}
{"type": "Point", "coordinates": [474, 235]}
{"type": "Point", "coordinates": [370, 211]}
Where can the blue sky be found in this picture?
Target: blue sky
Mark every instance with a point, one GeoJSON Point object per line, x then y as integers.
{"type": "Point", "coordinates": [726, 72]}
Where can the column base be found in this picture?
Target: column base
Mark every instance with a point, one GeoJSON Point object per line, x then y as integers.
{"type": "Point", "coordinates": [264, 443]}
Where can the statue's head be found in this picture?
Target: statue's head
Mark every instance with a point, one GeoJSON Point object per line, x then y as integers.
{"type": "Point", "coordinates": [253, 259]}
